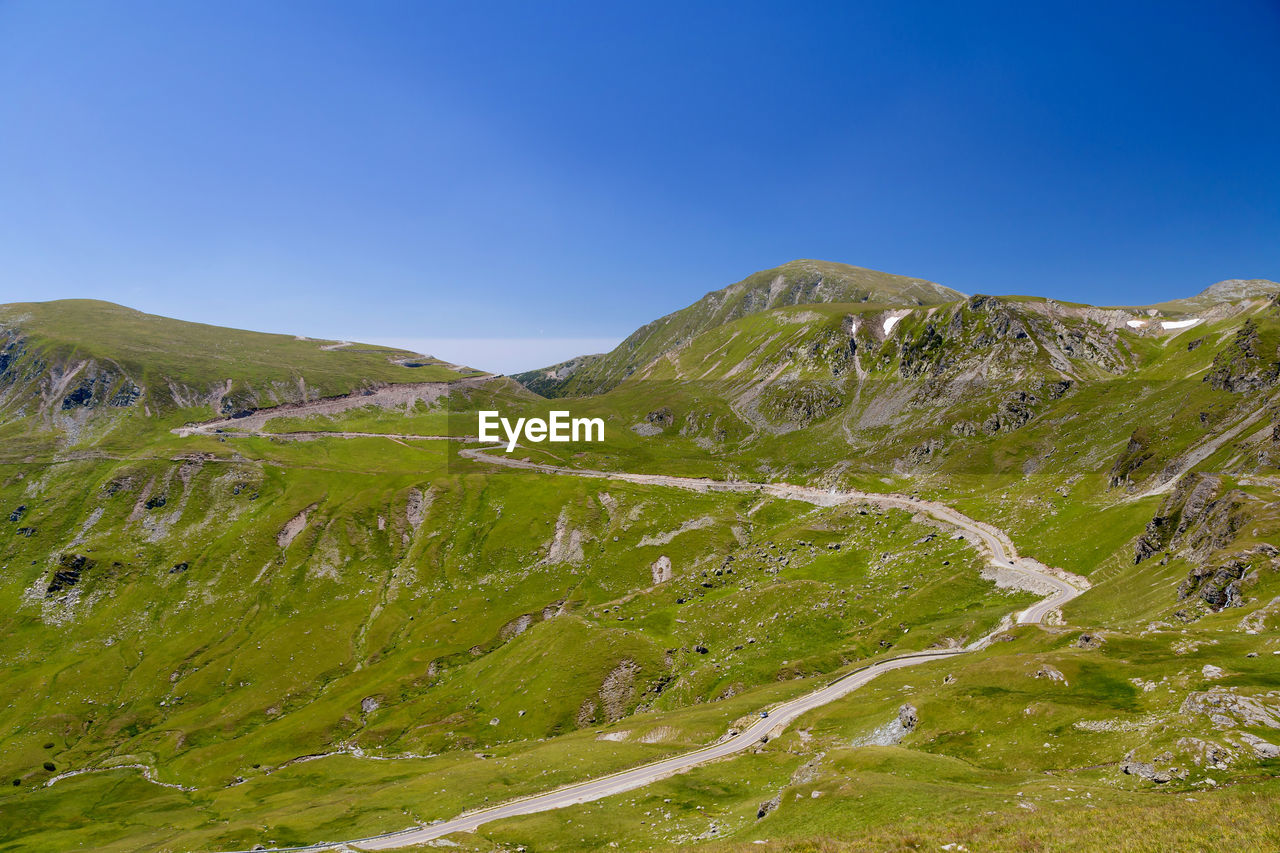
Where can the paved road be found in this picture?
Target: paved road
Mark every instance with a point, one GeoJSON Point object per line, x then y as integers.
{"type": "Point", "coordinates": [1058, 586]}
{"type": "Point", "coordinates": [639, 777]}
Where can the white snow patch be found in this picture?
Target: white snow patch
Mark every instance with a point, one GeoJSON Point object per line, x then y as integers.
{"type": "Point", "coordinates": [1135, 324]}
{"type": "Point", "coordinates": [1178, 324]}
{"type": "Point", "coordinates": [889, 323]}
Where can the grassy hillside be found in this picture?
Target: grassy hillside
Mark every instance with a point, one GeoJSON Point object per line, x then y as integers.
{"type": "Point", "coordinates": [74, 371]}
{"type": "Point", "coordinates": [308, 634]}
{"type": "Point", "coordinates": [420, 611]}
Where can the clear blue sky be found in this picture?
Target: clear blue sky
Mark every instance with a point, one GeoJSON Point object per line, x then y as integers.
{"type": "Point", "coordinates": [553, 171]}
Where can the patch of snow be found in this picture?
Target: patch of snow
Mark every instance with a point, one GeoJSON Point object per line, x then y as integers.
{"type": "Point", "coordinates": [889, 323]}
{"type": "Point", "coordinates": [1178, 324]}
{"type": "Point", "coordinates": [1135, 324]}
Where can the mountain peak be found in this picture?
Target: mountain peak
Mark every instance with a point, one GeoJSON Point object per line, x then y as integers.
{"type": "Point", "coordinates": [808, 281]}
{"type": "Point", "coordinates": [800, 282]}
{"type": "Point", "coordinates": [1235, 289]}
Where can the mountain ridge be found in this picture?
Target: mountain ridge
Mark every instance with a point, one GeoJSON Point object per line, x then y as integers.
{"type": "Point", "coordinates": [797, 282]}
{"type": "Point", "coordinates": [403, 613]}
{"type": "Point", "coordinates": [808, 282]}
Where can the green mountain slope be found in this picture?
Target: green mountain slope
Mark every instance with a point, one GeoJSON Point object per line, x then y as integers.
{"type": "Point", "coordinates": [65, 365]}
{"type": "Point", "coordinates": [332, 629]}
{"type": "Point", "coordinates": [800, 282]}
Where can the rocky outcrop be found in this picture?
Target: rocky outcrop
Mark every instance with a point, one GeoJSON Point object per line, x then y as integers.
{"type": "Point", "coordinates": [661, 417]}
{"type": "Point", "coordinates": [617, 689]}
{"type": "Point", "coordinates": [1217, 586]}
{"type": "Point", "coordinates": [1207, 753]}
{"type": "Point", "coordinates": [797, 404]}
{"type": "Point", "coordinates": [1052, 673]}
{"type": "Point", "coordinates": [1136, 452]}
{"type": "Point", "coordinates": [661, 570]}
{"type": "Point", "coordinates": [893, 731]}
{"type": "Point", "coordinates": [1227, 709]}
{"type": "Point", "coordinates": [1015, 411]}
{"type": "Point", "coordinates": [1145, 770]}
{"type": "Point", "coordinates": [71, 568]}
{"type": "Point", "coordinates": [1196, 519]}
{"type": "Point", "coordinates": [1263, 749]}
{"type": "Point", "coordinates": [922, 453]}
{"type": "Point", "coordinates": [1243, 365]}
{"type": "Point", "coordinates": [1196, 522]}
{"type": "Point", "coordinates": [566, 543]}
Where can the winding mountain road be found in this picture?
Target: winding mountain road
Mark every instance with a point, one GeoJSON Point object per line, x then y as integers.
{"type": "Point", "coordinates": [1058, 586]}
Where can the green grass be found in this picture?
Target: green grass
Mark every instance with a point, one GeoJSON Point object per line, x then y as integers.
{"type": "Point", "coordinates": [455, 613]}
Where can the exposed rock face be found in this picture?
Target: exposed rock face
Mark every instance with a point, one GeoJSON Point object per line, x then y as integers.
{"type": "Point", "coordinates": [10, 353]}
{"type": "Point", "coordinates": [1218, 586]}
{"type": "Point", "coordinates": [617, 689]}
{"type": "Point", "coordinates": [661, 569]}
{"type": "Point", "coordinates": [1146, 771]}
{"type": "Point", "coordinates": [1227, 709]}
{"type": "Point", "coordinates": [1051, 673]}
{"type": "Point", "coordinates": [797, 404]}
{"type": "Point", "coordinates": [955, 338]}
{"type": "Point", "coordinates": [1015, 411]}
{"type": "Point", "coordinates": [767, 806]}
{"type": "Point", "coordinates": [1196, 521]}
{"type": "Point", "coordinates": [293, 527]}
{"type": "Point", "coordinates": [566, 545]}
{"type": "Point", "coordinates": [1193, 518]}
{"type": "Point", "coordinates": [1261, 748]}
{"type": "Point", "coordinates": [416, 505]}
{"type": "Point", "coordinates": [71, 567]}
{"type": "Point", "coordinates": [662, 417]}
{"type": "Point", "coordinates": [924, 354]}
{"type": "Point", "coordinates": [922, 453]}
{"type": "Point", "coordinates": [82, 395]}
{"type": "Point", "coordinates": [1135, 453]}
{"type": "Point", "coordinates": [893, 731]}
{"type": "Point", "coordinates": [126, 395]}
{"type": "Point", "coordinates": [1242, 365]}
{"type": "Point", "coordinates": [1089, 641]}
{"type": "Point", "coordinates": [1206, 753]}
{"type": "Point", "coordinates": [525, 621]}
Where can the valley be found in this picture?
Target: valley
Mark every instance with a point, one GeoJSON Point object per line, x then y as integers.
{"type": "Point", "coordinates": [995, 566]}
